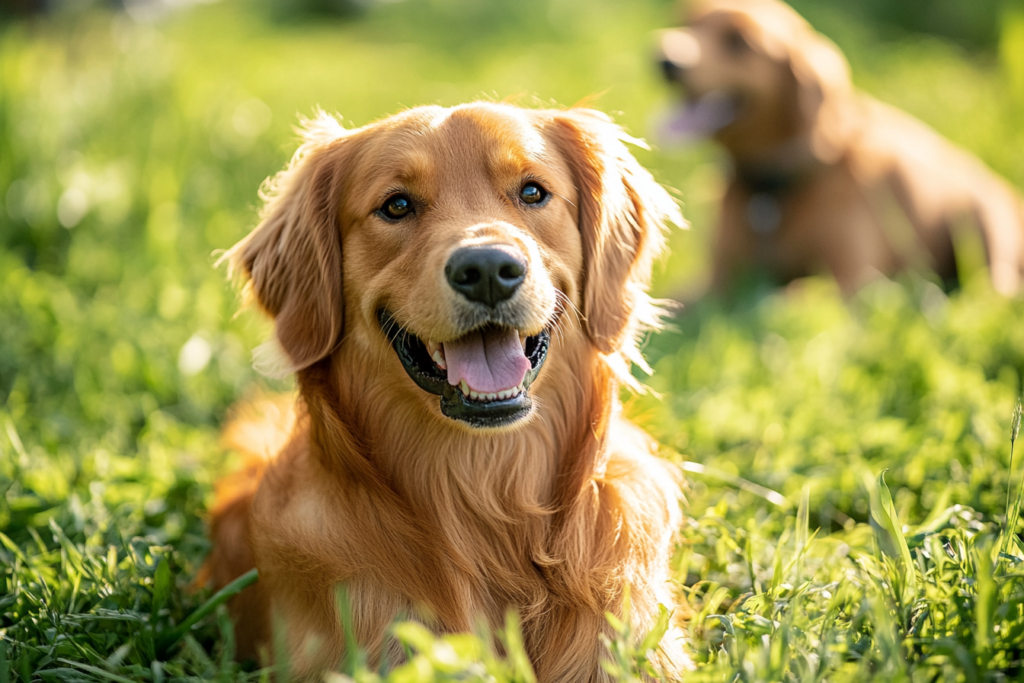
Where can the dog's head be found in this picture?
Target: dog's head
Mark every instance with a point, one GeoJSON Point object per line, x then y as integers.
{"type": "Point", "coordinates": [459, 237]}
{"type": "Point", "coordinates": [755, 74]}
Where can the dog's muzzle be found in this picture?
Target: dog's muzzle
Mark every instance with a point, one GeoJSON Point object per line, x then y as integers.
{"type": "Point", "coordinates": [483, 377]}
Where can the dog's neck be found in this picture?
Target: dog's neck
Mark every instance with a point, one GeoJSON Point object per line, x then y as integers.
{"type": "Point", "coordinates": [776, 170]}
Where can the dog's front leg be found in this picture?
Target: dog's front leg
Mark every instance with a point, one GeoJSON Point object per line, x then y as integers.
{"type": "Point", "coordinates": [313, 615]}
{"type": "Point", "coordinates": [307, 633]}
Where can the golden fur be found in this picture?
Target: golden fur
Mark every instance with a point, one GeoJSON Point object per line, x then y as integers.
{"type": "Point", "coordinates": [419, 515]}
{"type": "Point", "coordinates": [826, 178]}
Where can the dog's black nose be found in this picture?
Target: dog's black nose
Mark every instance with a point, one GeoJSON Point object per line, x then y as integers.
{"type": "Point", "coordinates": [670, 71]}
{"type": "Point", "coordinates": [486, 275]}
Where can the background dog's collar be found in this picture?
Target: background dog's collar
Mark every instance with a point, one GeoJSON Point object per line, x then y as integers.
{"type": "Point", "coordinates": [768, 179]}
{"type": "Point", "coordinates": [785, 167]}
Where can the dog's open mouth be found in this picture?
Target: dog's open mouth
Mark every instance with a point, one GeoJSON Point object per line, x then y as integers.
{"type": "Point", "coordinates": [698, 117]}
{"type": "Point", "coordinates": [483, 377]}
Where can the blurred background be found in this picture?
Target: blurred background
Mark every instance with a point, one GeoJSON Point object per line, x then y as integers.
{"type": "Point", "coordinates": [134, 137]}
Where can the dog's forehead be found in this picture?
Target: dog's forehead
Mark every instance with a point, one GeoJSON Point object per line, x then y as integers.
{"type": "Point", "coordinates": [765, 21]}
{"type": "Point", "coordinates": [433, 141]}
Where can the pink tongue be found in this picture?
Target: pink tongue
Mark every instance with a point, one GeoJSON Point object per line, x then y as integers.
{"type": "Point", "coordinates": [700, 119]}
{"type": "Point", "coordinates": [490, 361]}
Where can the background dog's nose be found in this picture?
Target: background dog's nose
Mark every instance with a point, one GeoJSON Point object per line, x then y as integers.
{"type": "Point", "coordinates": [679, 51]}
{"type": "Point", "coordinates": [486, 275]}
{"type": "Point", "coordinates": [670, 71]}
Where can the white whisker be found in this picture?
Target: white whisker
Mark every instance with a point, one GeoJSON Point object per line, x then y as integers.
{"type": "Point", "coordinates": [565, 199]}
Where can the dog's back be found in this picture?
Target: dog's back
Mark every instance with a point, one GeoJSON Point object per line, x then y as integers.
{"type": "Point", "coordinates": [942, 188]}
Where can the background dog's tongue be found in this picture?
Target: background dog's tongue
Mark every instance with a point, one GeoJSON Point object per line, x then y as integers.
{"type": "Point", "coordinates": [490, 360]}
{"type": "Point", "coordinates": [696, 120]}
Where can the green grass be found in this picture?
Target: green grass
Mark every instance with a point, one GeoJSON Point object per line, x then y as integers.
{"type": "Point", "coordinates": [129, 153]}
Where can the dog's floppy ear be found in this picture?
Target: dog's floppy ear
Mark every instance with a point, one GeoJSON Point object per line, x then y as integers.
{"type": "Point", "coordinates": [292, 260]}
{"type": "Point", "coordinates": [622, 215]}
{"type": "Point", "coordinates": [824, 92]}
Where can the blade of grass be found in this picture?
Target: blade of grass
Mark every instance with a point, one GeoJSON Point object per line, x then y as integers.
{"type": "Point", "coordinates": [96, 671]}
{"type": "Point", "coordinates": [1012, 510]}
{"type": "Point", "coordinates": [353, 655]}
{"type": "Point", "coordinates": [883, 512]}
{"type": "Point", "coordinates": [657, 632]}
{"type": "Point", "coordinates": [773, 497]}
{"type": "Point", "coordinates": [802, 529]}
{"type": "Point", "coordinates": [161, 586]}
{"type": "Point", "coordinates": [515, 649]}
{"type": "Point", "coordinates": [985, 604]}
{"type": "Point", "coordinates": [168, 639]}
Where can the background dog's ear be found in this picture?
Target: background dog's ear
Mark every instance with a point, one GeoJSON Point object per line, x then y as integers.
{"type": "Point", "coordinates": [824, 92]}
{"type": "Point", "coordinates": [623, 212]}
{"type": "Point", "coordinates": [292, 260]}
{"type": "Point", "coordinates": [824, 87]}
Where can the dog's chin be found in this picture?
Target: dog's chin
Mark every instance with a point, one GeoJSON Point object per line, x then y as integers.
{"type": "Point", "coordinates": [478, 412]}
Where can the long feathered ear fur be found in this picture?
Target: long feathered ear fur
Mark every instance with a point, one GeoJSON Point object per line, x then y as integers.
{"type": "Point", "coordinates": [292, 260]}
{"type": "Point", "coordinates": [623, 214]}
{"type": "Point", "coordinates": [824, 91]}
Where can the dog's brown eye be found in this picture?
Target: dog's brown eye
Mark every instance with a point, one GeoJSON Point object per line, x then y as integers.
{"type": "Point", "coordinates": [532, 193]}
{"type": "Point", "coordinates": [397, 207]}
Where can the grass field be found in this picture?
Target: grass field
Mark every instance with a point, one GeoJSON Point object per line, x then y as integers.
{"type": "Point", "coordinates": [129, 152]}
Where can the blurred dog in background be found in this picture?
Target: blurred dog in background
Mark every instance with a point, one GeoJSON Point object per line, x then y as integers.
{"type": "Point", "coordinates": [825, 179]}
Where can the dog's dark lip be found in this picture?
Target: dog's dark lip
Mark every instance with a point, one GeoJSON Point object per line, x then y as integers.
{"type": "Point", "coordinates": [420, 367]}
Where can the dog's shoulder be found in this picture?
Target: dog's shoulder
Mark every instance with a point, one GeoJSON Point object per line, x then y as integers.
{"type": "Point", "coordinates": [652, 485]}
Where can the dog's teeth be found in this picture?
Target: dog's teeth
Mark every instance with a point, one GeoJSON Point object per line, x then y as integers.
{"type": "Point", "coordinates": [436, 352]}
{"type": "Point", "coordinates": [488, 396]}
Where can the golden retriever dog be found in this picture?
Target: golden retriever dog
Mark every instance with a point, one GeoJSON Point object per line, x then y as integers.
{"type": "Point", "coordinates": [825, 179]}
{"type": "Point", "coordinates": [459, 292]}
